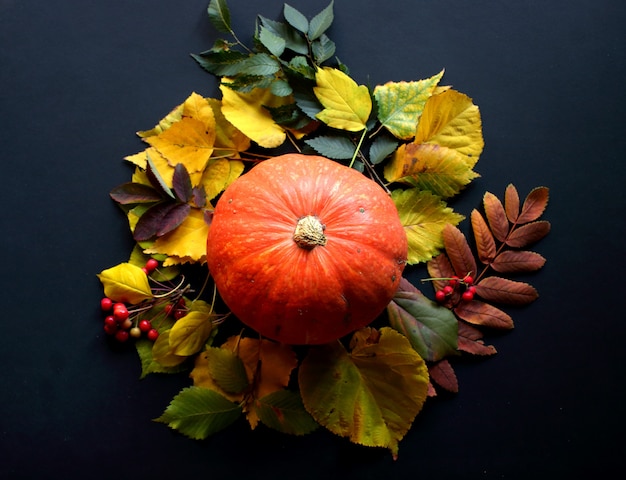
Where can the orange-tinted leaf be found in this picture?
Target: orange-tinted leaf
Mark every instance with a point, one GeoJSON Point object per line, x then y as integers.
{"type": "Point", "coordinates": [443, 375]}
{"type": "Point", "coordinates": [485, 244]}
{"type": "Point", "coordinates": [534, 205]}
{"type": "Point", "coordinates": [511, 202]}
{"type": "Point", "coordinates": [496, 216]}
{"type": "Point", "coordinates": [528, 234]}
{"type": "Point", "coordinates": [503, 290]}
{"type": "Point", "coordinates": [470, 341]}
{"type": "Point", "coordinates": [458, 251]}
{"type": "Point", "coordinates": [440, 267]}
{"type": "Point", "coordinates": [481, 313]}
{"type": "Point", "coordinates": [511, 261]}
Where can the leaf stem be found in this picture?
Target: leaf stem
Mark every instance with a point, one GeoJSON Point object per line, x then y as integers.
{"type": "Point", "coordinates": [358, 147]}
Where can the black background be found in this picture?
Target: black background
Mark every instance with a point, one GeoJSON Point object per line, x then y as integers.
{"type": "Point", "coordinates": [79, 77]}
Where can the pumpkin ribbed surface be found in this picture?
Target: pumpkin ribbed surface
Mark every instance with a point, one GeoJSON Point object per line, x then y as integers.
{"type": "Point", "coordinates": [305, 250]}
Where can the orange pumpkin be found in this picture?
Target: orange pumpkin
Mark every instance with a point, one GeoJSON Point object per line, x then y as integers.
{"type": "Point", "coordinates": [305, 250]}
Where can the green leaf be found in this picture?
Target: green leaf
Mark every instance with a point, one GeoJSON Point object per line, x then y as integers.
{"type": "Point", "coordinates": [431, 328]}
{"type": "Point", "coordinates": [381, 148]}
{"type": "Point", "coordinates": [400, 104]}
{"type": "Point", "coordinates": [221, 63]}
{"type": "Point", "coordinates": [283, 411]}
{"type": "Point", "coordinates": [337, 148]}
{"type": "Point", "coordinates": [148, 364]}
{"type": "Point", "coordinates": [260, 64]}
{"type": "Point", "coordinates": [321, 22]}
{"type": "Point", "coordinates": [323, 49]}
{"type": "Point", "coordinates": [274, 43]}
{"type": "Point", "coordinates": [227, 370]}
{"type": "Point", "coordinates": [199, 412]}
{"type": "Point", "coordinates": [281, 88]}
{"type": "Point", "coordinates": [219, 15]}
{"type": "Point", "coordinates": [296, 19]}
{"type": "Point", "coordinates": [294, 41]}
{"type": "Point", "coordinates": [300, 66]}
{"type": "Point", "coordinates": [370, 395]}
{"type": "Point", "coordinates": [424, 216]}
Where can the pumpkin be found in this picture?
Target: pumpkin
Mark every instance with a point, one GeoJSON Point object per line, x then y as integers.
{"type": "Point", "coordinates": [305, 250]}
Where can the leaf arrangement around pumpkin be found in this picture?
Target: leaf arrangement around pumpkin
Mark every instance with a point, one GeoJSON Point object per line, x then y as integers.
{"type": "Point", "coordinates": [418, 140]}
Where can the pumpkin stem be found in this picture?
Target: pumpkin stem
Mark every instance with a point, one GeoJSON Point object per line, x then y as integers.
{"type": "Point", "coordinates": [309, 233]}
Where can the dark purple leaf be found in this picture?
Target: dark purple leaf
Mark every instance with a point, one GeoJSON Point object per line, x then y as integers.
{"type": "Point", "coordinates": [181, 182]}
{"type": "Point", "coordinates": [156, 180]}
{"type": "Point", "coordinates": [130, 193]}
{"type": "Point", "coordinates": [173, 218]}
{"type": "Point", "coordinates": [158, 218]}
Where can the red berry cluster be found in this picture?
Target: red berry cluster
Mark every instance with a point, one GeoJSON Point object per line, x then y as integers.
{"type": "Point", "coordinates": [120, 324]}
{"type": "Point", "coordinates": [456, 285]}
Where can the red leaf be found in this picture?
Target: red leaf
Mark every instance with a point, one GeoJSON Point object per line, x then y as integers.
{"type": "Point", "coordinates": [502, 290]}
{"type": "Point", "coordinates": [511, 203]}
{"type": "Point", "coordinates": [511, 261]}
{"type": "Point", "coordinates": [406, 286]}
{"type": "Point", "coordinates": [470, 341]}
{"type": "Point", "coordinates": [528, 234]}
{"type": "Point", "coordinates": [534, 205]}
{"type": "Point", "coordinates": [458, 251]}
{"type": "Point", "coordinates": [496, 216]}
{"type": "Point", "coordinates": [480, 313]}
{"type": "Point", "coordinates": [440, 267]}
{"type": "Point", "coordinates": [485, 244]}
{"type": "Point", "coordinates": [443, 375]}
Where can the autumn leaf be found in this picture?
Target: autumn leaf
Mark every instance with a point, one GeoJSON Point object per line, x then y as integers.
{"type": "Point", "coordinates": [528, 234]}
{"type": "Point", "coordinates": [219, 174]}
{"type": "Point", "coordinates": [400, 104]}
{"type": "Point", "coordinates": [534, 205]}
{"type": "Point", "coordinates": [199, 412]}
{"type": "Point", "coordinates": [284, 411]}
{"type": "Point", "coordinates": [485, 243]}
{"type": "Point", "coordinates": [187, 241]}
{"type": "Point", "coordinates": [440, 269]}
{"type": "Point", "coordinates": [511, 203]}
{"type": "Point", "coordinates": [443, 375]}
{"type": "Point", "coordinates": [131, 193]}
{"type": "Point", "coordinates": [347, 106]}
{"type": "Point", "coordinates": [190, 332]}
{"type": "Point", "coordinates": [229, 141]}
{"type": "Point", "coordinates": [484, 314]}
{"type": "Point", "coordinates": [248, 113]}
{"type": "Point", "coordinates": [125, 283]}
{"type": "Point", "coordinates": [451, 120]}
{"type": "Point", "coordinates": [496, 216]}
{"type": "Point", "coordinates": [370, 395]}
{"type": "Point", "coordinates": [160, 219]}
{"type": "Point", "coordinates": [513, 261]}
{"type": "Point", "coordinates": [459, 251]}
{"type": "Point", "coordinates": [163, 353]}
{"type": "Point", "coordinates": [503, 290]}
{"type": "Point", "coordinates": [423, 216]}
{"type": "Point", "coordinates": [438, 169]}
{"type": "Point", "coordinates": [470, 341]}
{"type": "Point", "coordinates": [227, 371]}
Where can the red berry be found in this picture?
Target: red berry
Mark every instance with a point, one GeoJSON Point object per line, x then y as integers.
{"type": "Point", "coordinates": [144, 325]}
{"type": "Point", "coordinates": [110, 320]}
{"type": "Point", "coordinates": [135, 332]}
{"type": "Point", "coordinates": [440, 296]}
{"type": "Point", "coordinates": [110, 329]}
{"type": "Point", "coordinates": [151, 265]}
{"type": "Point", "coordinates": [106, 303]}
{"type": "Point", "coordinates": [121, 335]}
{"type": "Point", "coordinates": [454, 280]}
{"type": "Point", "coordinates": [447, 290]}
{"type": "Point", "coordinates": [120, 313]}
{"type": "Point", "coordinates": [178, 313]}
{"type": "Point", "coordinates": [153, 334]}
{"type": "Point", "coordinates": [468, 280]}
{"type": "Point", "coordinates": [168, 309]}
{"type": "Point", "coordinates": [467, 295]}
{"type": "Point", "coordinates": [145, 270]}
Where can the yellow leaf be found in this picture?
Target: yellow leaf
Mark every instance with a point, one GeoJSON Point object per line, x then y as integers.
{"type": "Point", "coordinates": [162, 352]}
{"type": "Point", "coordinates": [347, 106]}
{"type": "Point", "coordinates": [188, 240]}
{"type": "Point", "coordinates": [423, 216]}
{"type": "Point", "coordinates": [229, 141]}
{"type": "Point", "coordinates": [190, 333]}
{"type": "Point", "coordinates": [247, 112]}
{"type": "Point", "coordinates": [400, 104]}
{"type": "Point", "coordinates": [174, 116]}
{"type": "Point", "coordinates": [218, 174]}
{"type": "Point", "coordinates": [125, 283]}
{"type": "Point", "coordinates": [451, 120]}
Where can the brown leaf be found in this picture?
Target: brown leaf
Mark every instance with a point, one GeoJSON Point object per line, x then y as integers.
{"type": "Point", "coordinates": [503, 290]}
{"type": "Point", "coordinates": [528, 234]}
{"type": "Point", "coordinates": [406, 286]}
{"type": "Point", "coordinates": [485, 244]}
{"type": "Point", "coordinates": [481, 313]}
{"type": "Point", "coordinates": [440, 267]}
{"type": "Point", "coordinates": [496, 216]}
{"type": "Point", "coordinates": [458, 251]}
{"type": "Point", "coordinates": [534, 205]}
{"type": "Point", "coordinates": [470, 341]}
{"type": "Point", "coordinates": [443, 375]}
{"type": "Point", "coordinates": [511, 202]}
{"type": "Point", "coordinates": [511, 261]}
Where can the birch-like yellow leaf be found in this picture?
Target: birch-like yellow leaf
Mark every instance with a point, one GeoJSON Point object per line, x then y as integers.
{"type": "Point", "coordinates": [451, 120]}
{"type": "Point", "coordinates": [188, 240]}
{"type": "Point", "coordinates": [247, 112]}
{"type": "Point", "coordinates": [190, 333]}
{"type": "Point", "coordinates": [400, 104]}
{"type": "Point", "coordinates": [347, 106]}
{"type": "Point", "coordinates": [229, 141]}
{"type": "Point", "coordinates": [218, 174]}
{"type": "Point", "coordinates": [125, 283]}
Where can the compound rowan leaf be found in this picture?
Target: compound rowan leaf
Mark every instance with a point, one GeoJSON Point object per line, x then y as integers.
{"type": "Point", "coordinates": [511, 203]}
{"type": "Point", "coordinates": [534, 205]}
{"type": "Point", "coordinates": [443, 375]}
{"type": "Point", "coordinates": [528, 234]}
{"type": "Point", "coordinates": [424, 216]}
{"type": "Point", "coordinates": [496, 216]}
{"type": "Point", "coordinates": [199, 412]}
{"type": "Point", "coordinates": [451, 120]}
{"type": "Point", "coordinates": [284, 411]}
{"type": "Point", "coordinates": [470, 341]}
{"type": "Point", "coordinates": [484, 314]}
{"type": "Point", "coordinates": [503, 290]}
{"type": "Point", "coordinates": [126, 283]}
{"type": "Point", "coordinates": [400, 104]}
{"type": "Point", "coordinates": [458, 251]}
{"type": "Point", "coordinates": [370, 395]}
{"type": "Point", "coordinates": [513, 261]}
{"type": "Point", "coordinates": [347, 106]}
{"type": "Point", "coordinates": [485, 244]}
{"type": "Point", "coordinates": [431, 328]}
